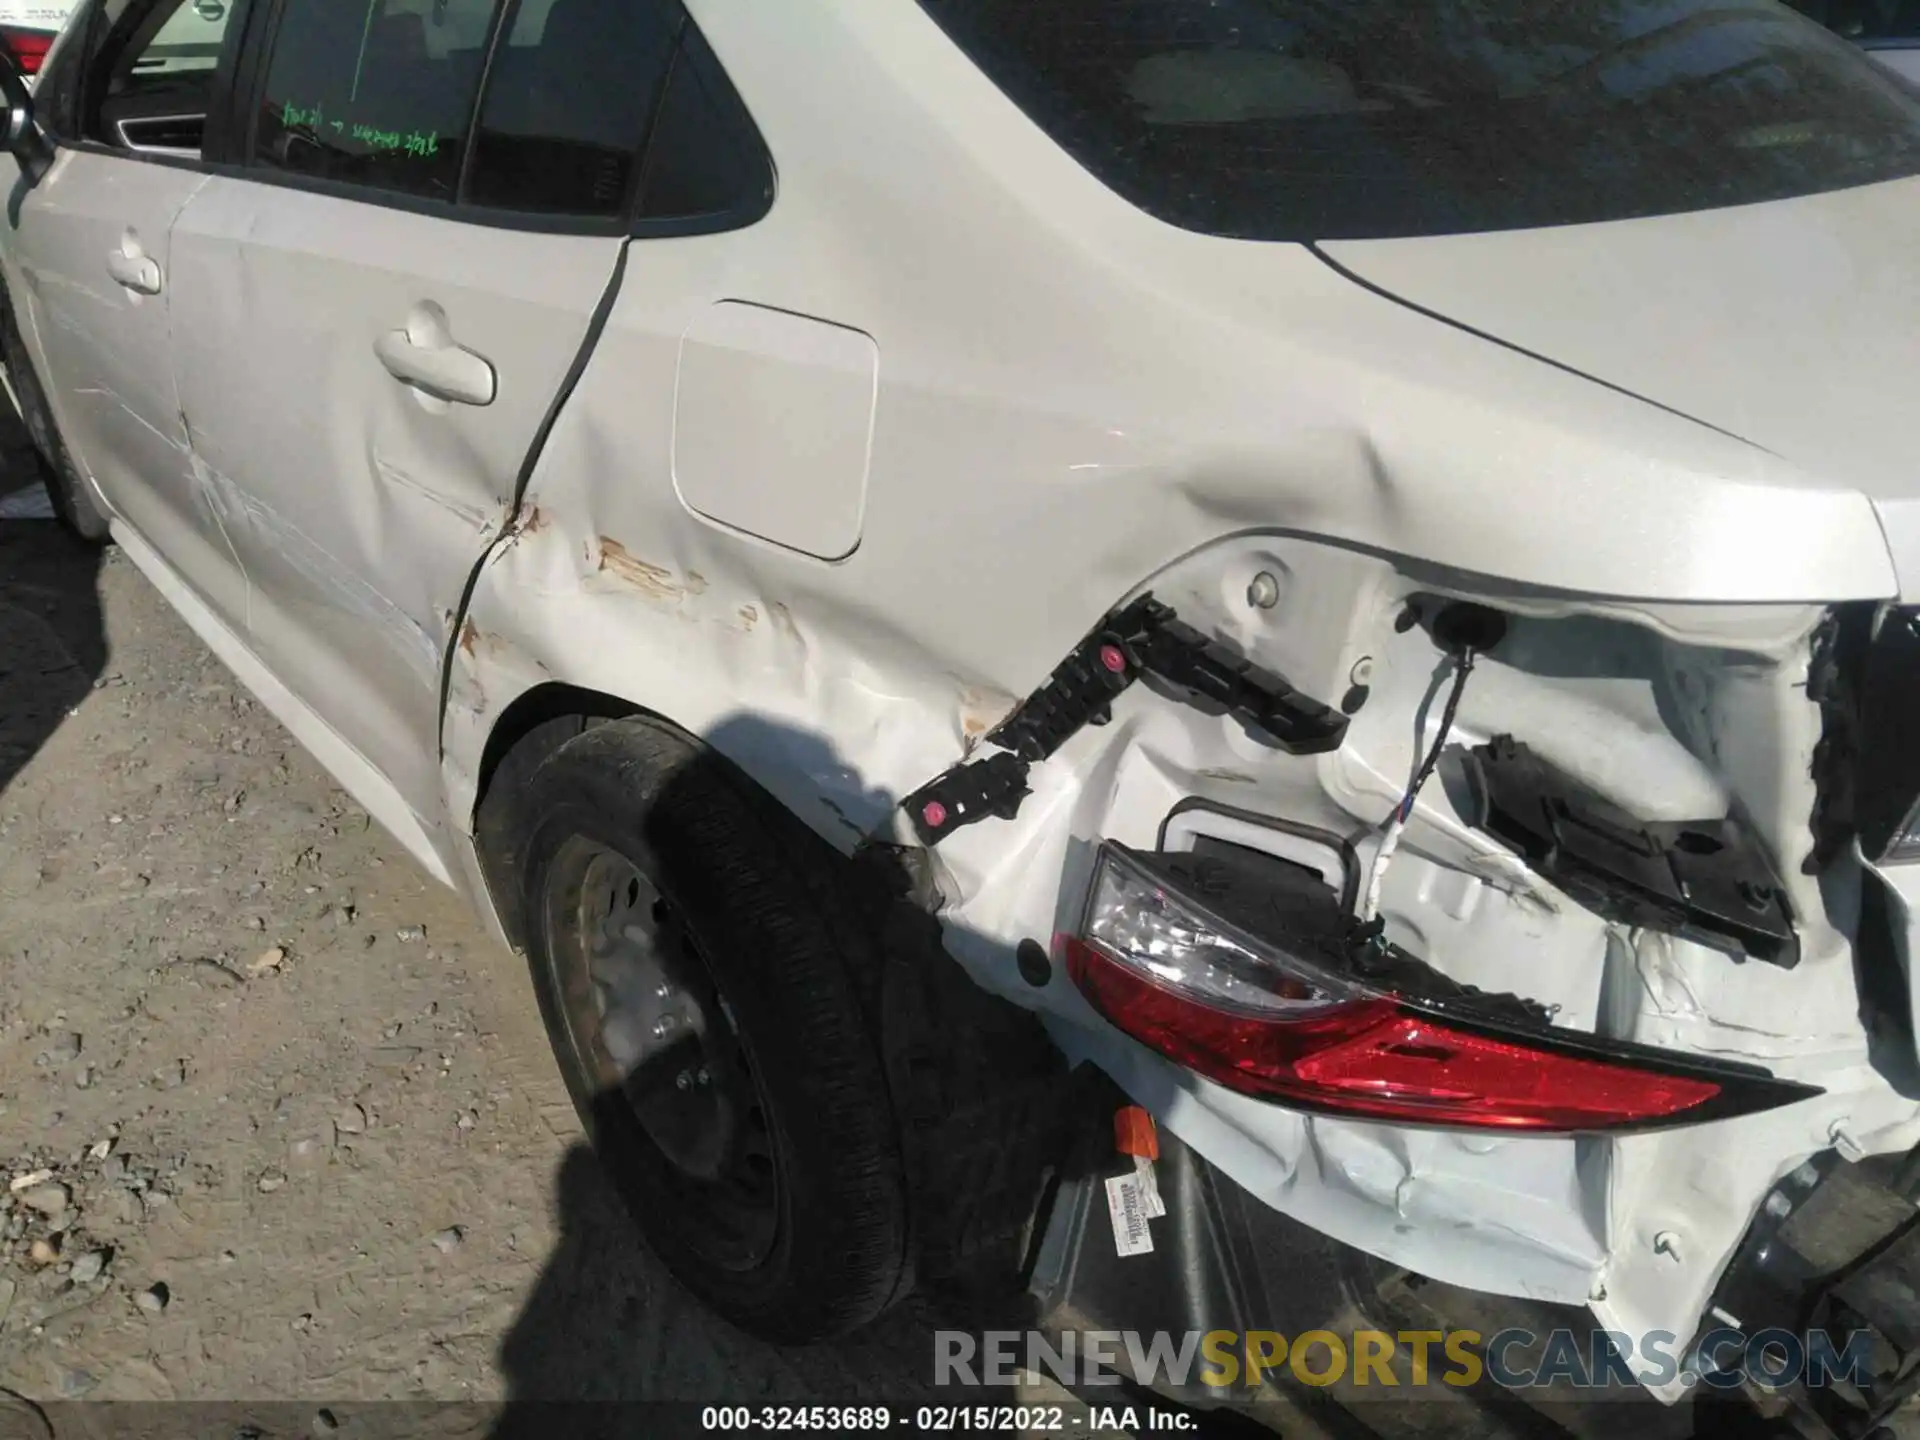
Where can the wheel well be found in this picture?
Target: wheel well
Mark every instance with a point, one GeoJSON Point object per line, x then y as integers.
{"type": "Point", "coordinates": [528, 730]}
{"type": "Point", "coordinates": [539, 707]}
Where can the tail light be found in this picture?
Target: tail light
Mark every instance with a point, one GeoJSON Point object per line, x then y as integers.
{"type": "Point", "coordinates": [27, 47]}
{"type": "Point", "coordinates": [1251, 973]}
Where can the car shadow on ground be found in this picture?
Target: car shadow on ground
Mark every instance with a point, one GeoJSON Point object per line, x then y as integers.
{"type": "Point", "coordinates": [53, 644]}
{"type": "Point", "coordinates": [607, 1329]}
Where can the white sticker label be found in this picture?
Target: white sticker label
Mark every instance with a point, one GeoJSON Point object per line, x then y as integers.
{"type": "Point", "coordinates": [1150, 1185]}
{"type": "Point", "coordinates": [1127, 1205]}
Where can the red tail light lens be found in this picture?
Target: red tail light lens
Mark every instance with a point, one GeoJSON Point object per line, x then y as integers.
{"type": "Point", "coordinates": [27, 47]}
{"type": "Point", "coordinates": [1291, 1023]}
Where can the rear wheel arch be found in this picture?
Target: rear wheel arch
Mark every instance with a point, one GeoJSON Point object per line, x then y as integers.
{"type": "Point", "coordinates": [538, 722]}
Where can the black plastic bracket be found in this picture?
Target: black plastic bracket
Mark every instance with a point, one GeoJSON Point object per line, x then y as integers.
{"type": "Point", "coordinates": [1706, 880]}
{"type": "Point", "coordinates": [1143, 637]}
{"type": "Point", "coordinates": [966, 793]}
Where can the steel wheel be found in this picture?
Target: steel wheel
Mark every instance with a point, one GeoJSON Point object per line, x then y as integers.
{"type": "Point", "coordinates": [647, 1022]}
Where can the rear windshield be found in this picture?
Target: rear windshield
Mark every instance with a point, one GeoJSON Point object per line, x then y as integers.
{"type": "Point", "coordinates": [1349, 119]}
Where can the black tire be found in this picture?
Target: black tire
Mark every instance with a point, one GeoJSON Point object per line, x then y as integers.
{"type": "Point", "coordinates": [761, 906]}
{"type": "Point", "coordinates": [73, 503]}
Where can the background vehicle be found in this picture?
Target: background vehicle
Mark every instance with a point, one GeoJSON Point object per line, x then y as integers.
{"type": "Point", "coordinates": [1888, 30]}
{"type": "Point", "coordinates": [1186, 488]}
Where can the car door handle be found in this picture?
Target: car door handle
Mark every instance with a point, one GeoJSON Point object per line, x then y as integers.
{"type": "Point", "coordinates": [425, 356]}
{"type": "Point", "coordinates": [137, 272]}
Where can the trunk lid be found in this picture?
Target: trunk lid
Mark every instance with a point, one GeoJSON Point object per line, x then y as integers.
{"type": "Point", "coordinates": [1794, 325]}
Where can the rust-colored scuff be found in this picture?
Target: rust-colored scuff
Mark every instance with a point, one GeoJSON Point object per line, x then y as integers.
{"type": "Point", "coordinates": [469, 637]}
{"type": "Point", "coordinates": [653, 580]}
{"type": "Point", "coordinates": [536, 521]}
{"type": "Point", "coordinates": [980, 711]}
{"type": "Point", "coordinates": [749, 616]}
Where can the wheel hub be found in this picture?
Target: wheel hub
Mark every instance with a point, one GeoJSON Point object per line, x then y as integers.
{"type": "Point", "coordinates": [649, 1025]}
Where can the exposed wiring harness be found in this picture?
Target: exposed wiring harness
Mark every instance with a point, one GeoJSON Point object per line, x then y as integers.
{"type": "Point", "coordinates": [1397, 822]}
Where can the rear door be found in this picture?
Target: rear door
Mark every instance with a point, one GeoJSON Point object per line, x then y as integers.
{"type": "Point", "coordinates": [372, 319]}
{"type": "Point", "coordinates": [93, 272]}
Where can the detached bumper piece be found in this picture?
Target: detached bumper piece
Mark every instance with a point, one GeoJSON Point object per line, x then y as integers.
{"type": "Point", "coordinates": [1142, 638]}
{"type": "Point", "coordinates": [1706, 880]}
{"type": "Point", "coordinates": [1249, 971]}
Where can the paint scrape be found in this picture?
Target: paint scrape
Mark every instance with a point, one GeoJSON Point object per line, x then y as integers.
{"type": "Point", "coordinates": [655, 581]}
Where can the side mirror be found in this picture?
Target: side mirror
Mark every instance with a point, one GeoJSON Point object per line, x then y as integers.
{"type": "Point", "coordinates": [22, 133]}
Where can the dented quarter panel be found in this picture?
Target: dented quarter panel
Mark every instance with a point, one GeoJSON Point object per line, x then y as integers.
{"type": "Point", "coordinates": [1075, 403]}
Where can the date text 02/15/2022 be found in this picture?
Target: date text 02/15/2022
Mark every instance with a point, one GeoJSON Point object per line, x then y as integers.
{"type": "Point", "coordinates": [941, 1419]}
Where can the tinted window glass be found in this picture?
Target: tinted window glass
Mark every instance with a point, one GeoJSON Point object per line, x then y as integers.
{"type": "Point", "coordinates": [153, 74]}
{"type": "Point", "coordinates": [568, 102]}
{"type": "Point", "coordinates": [56, 92]}
{"type": "Point", "coordinates": [706, 157]}
{"type": "Point", "coordinates": [374, 92]}
{"type": "Point", "coordinates": [1300, 119]}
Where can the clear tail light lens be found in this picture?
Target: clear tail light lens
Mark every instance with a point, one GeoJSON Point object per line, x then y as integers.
{"type": "Point", "coordinates": [1283, 1015]}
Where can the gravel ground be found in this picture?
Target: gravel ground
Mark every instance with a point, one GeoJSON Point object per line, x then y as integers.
{"type": "Point", "coordinates": [278, 1120]}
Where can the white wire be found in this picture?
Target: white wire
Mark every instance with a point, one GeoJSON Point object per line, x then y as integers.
{"type": "Point", "coordinates": [1402, 811]}
{"type": "Point", "coordinates": [1389, 842]}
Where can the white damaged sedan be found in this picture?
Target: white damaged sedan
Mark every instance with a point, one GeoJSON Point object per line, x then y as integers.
{"type": "Point", "coordinates": [1359, 562]}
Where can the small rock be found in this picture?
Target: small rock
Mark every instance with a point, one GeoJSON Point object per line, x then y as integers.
{"type": "Point", "coordinates": [73, 1383]}
{"type": "Point", "coordinates": [466, 1121]}
{"type": "Point", "coordinates": [268, 961]}
{"type": "Point", "coordinates": [28, 1180]}
{"type": "Point", "coordinates": [125, 1206]}
{"type": "Point", "coordinates": [303, 1321]}
{"type": "Point", "coordinates": [115, 1167]}
{"type": "Point", "coordinates": [227, 1257]}
{"type": "Point", "coordinates": [84, 1080]}
{"type": "Point", "coordinates": [50, 1199]}
{"type": "Point", "coordinates": [448, 1240]}
{"type": "Point", "coordinates": [271, 1181]}
{"type": "Point", "coordinates": [171, 1077]}
{"type": "Point", "coordinates": [306, 1153]}
{"type": "Point", "coordinates": [100, 1149]}
{"type": "Point", "coordinates": [155, 1298]}
{"type": "Point", "coordinates": [88, 1267]}
{"type": "Point", "coordinates": [407, 934]}
{"type": "Point", "coordinates": [43, 1252]}
{"type": "Point", "coordinates": [64, 1047]}
{"type": "Point", "coordinates": [350, 1119]}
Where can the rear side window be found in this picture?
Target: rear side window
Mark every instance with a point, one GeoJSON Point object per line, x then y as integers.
{"type": "Point", "coordinates": [376, 93]}
{"type": "Point", "coordinates": [1304, 120]}
{"type": "Point", "coordinates": [570, 95]}
{"type": "Point", "coordinates": [706, 165]}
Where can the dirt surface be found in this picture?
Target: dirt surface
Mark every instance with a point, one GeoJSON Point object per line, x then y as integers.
{"type": "Point", "coordinates": [302, 1134]}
